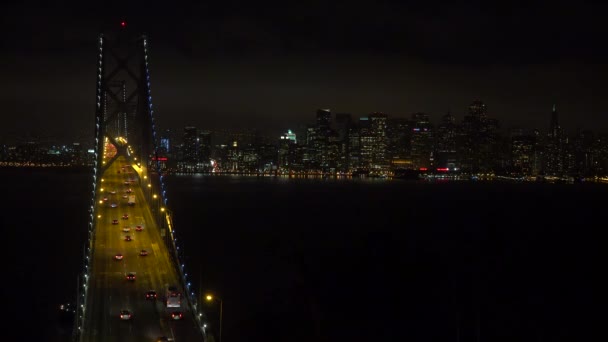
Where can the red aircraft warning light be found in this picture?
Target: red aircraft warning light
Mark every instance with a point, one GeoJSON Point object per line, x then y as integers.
{"type": "Point", "coordinates": [123, 23]}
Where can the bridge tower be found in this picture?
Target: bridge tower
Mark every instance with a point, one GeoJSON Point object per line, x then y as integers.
{"type": "Point", "coordinates": [124, 115]}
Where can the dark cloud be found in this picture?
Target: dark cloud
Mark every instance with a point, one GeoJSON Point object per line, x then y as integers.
{"type": "Point", "coordinates": [274, 63]}
{"type": "Point", "coordinates": [441, 31]}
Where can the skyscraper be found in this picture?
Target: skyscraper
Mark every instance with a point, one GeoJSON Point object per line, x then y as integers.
{"type": "Point", "coordinates": [204, 146]}
{"type": "Point", "coordinates": [378, 128]}
{"type": "Point", "coordinates": [479, 140]}
{"type": "Point", "coordinates": [478, 110]}
{"type": "Point", "coordinates": [555, 147]}
{"type": "Point", "coordinates": [320, 142]}
{"type": "Point", "coordinates": [323, 119]}
{"type": "Point", "coordinates": [343, 124]}
{"type": "Point", "coordinates": [422, 143]}
{"type": "Point", "coordinates": [165, 142]}
{"type": "Point", "coordinates": [523, 152]}
{"type": "Point", "coordinates": [445, 143]}
{"type": "Point", "coordinates": [399, 134]}
{"type": "Point", "coordinates": [190, 144]}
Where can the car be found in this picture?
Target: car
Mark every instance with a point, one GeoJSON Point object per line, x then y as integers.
{"type": "Point", "coordinates": [151, 294]}
{"type": "Point", "coordinates": [125, 315]}
{"type": "Point", "coordinates": [126, 182]}
{"type": "Point", "coordinates": [139, 228]}
{"type": "Point", "coordinates": [113, 205]}
{"type": "Point", "coordinates": [115, 221]}
{"type": "Point", "coordinates": [125, 216]}
{"type": "Point", "coordinates": [129, 191]}
{"type": "Point", "coordinates": [176, 315]}
{"type": "Point", "coordinates": [126, 229]}
{"type": "Point", "coordinates": [113, 192]}
{"type": "Point", "coordinates": [163, 339]}
{"type": "Point", "coordinates": [105, 199]}
{"type": "Point", "coordinates": [128, 238]}
{"type": "Point", "coordinates": [118, 256]}
{"type": "Point", "coordinates": [130, 276]}
{"type": "Point", "coordinates": [143, 252]}
{"type": "Point", "coordinates": [125, 196]}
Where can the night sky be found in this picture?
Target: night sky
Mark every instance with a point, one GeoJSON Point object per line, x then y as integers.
{"type": "Point", "coordinates": [271, 65]}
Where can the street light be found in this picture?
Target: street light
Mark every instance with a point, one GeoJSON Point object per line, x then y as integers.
{"type": "Point", "coordinates": [210, 298]}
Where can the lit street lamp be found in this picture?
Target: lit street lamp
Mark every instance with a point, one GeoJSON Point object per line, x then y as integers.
{"type": "Point", "coordinates": [210, 298]}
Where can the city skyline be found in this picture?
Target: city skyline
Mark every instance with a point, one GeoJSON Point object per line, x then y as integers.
{"type": "Point", "coordinates": [177, 131]}
{"type": "Point", "coordinates": [376, 146]}
{"type": "Point", "coordinates": [270, 67]}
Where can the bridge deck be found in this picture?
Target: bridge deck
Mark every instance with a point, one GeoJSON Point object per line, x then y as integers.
{"type": "Point", "coordinates": [109, 290]}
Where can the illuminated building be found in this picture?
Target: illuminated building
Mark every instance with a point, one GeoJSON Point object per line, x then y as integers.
{"type": "Point", "coordinates": [445, 143]}
{"type": "Point", "coordinates": [379, 142]}
{"type": "Point", "coordinates": [421, 141]}
{"type": "Point", "coordinates": [204, 146]}
{"type": "Point", "coordinates": [523, 153]}
{"type": "Point", "coordinates": [287, 151]}
{"type": "Point", "coordinates": [554, 163]}
{"type": "Point", "coordinates": [342, 126]}
{"type": "Point", "coordinates": [165, 142]}
{"type": "Point", "coordinates": [190, 148]}
{"type": "Point", "coordinates": [478, 140]}
{"type": "Point", "coordinates": [399, 134]}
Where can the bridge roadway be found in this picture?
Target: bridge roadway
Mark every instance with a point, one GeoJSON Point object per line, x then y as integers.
{"type": "Point", "coordinates": [110, 291]}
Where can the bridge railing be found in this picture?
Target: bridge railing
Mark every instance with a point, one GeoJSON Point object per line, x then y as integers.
{"type": "Point", "coordinates": [83, 278]}
{"type": "Point", "coordinates": [164, 221]}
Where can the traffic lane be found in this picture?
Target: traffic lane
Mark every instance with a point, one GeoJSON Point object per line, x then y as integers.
{"type": "Point", "coordinates": [106, 268]}
{"type": "Point", "coordinates": [145, 315]}
{"type": "Point", "coordinates": [149, 275]}
{"type": "Point", "coordinates": [144, 321]}
{"type": "Point", "coordinates": [187, 328]}
{"type": "Point", "coordinates": [114, 277]}
{"type": "Point", "coordinates": [153, 273]}
{"type": "Point", "coordinates": [95, 315]}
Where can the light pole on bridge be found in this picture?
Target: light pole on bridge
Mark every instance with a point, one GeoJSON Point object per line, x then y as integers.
{"type": "Point", "coordinates": [210, 298]}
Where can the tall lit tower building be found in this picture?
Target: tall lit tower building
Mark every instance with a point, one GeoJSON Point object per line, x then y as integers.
{"type": "Point", "coordinates": [204, 146]}
{"type": "Point", "coordinates": [323, 119]}
{"type": "Point", "coordinates": [478, 110]}
{"type": "Point", "coordinates": [165, 142]}
{"type": "Point", "coordinates": [422, 144]}
{"type": "Point", "coordinates": [555, 147]}
{"type": "Point", "coordinates": [343, 124]}
{"type": "Point", "coordinates": [523, 152]}
{"type": "Point", "coordinates": [378, 132]}
{"type": "Point", "coordinates": [555, 127]}
{"type": "Point", "coordinates": [190, 144]}
{"type": "Point", "coordinates": [287, 150]}
{"type": "Point", "coordinates": [321, 140]}
{"type": "Point", "coordinates": [445, 143]}
{"type": "Point", "coordinates": [479, 140]}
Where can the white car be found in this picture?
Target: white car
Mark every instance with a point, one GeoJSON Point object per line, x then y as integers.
{"type": "Point", "coordinates": [125, 315]}
{"type": "Point", "coordinates": [126, 229]}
